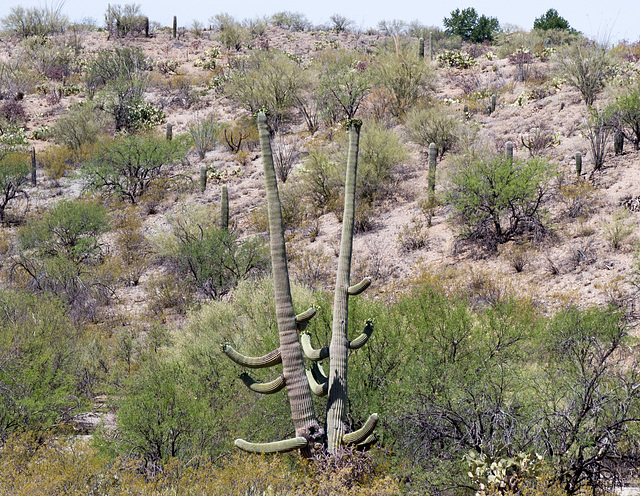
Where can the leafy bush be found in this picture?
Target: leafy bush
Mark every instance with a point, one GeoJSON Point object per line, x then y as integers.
{"type": "Point", "coordinates": [82, 125]}
{"type": "Point", "coordinates": [39, 349]}
{"type": "Point", "coordinates": [212, 258]}
{"type": "Point", "coordinates": [626, 110]}
{"type": "Point", "coordinates": [270, 81]}
{"type": "Point", "coordinates": [204, 133]}
{"type": "Point", "coordinates": [59, 251]}
{"type": "Point", "coordinates": [293, 21]}
{"type": "Point", "coordinates": [14, 167]}
{"type": "Point", "coordinates": [598, 129]}
{"type": "Point", "coordinates": [129, 165]}
{"type": "Point", "coordinates": [15, 79]}
{"type": "Point", "coordinates": [586, 66]}
{"type": "Point", "coordinates": [435, 124]}
{"type": "Point", "coordinates": [405, 77]}
{"type": "Point", "coordinates": [35, 21]}
{"type": "Point", "coordinates": [467, 24]}
{"type": "Point", "coordinates": [497, 200]}
{"type": "Point", "coordinates": [232, 33]}
{"type": "Point", "coordinates": [123, 20]}
{"type": "Point", "coordinates": [344, 82]}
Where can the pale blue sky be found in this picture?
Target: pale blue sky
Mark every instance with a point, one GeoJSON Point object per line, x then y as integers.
{"type": "Point", "coordinates": [597, 19]}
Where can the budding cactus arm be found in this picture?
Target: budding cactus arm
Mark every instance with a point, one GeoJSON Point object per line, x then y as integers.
{"type": "Point", "coordinates": [263, 387]}
{"type": "Point", "coordinates": [318, 380]}
{"type": "Point", "coordinates": [302, 319]}
{"type": "Point", "coordinates": [315, 355]}
{"type": "Point", "coordinates": [360, 287]}
{"type": "Point", "coordinates": [359, 436]}
{"type": "Point", "coordinates": [267, 360]}
{"type": "Point", "coordinates": [275, 447]}
{"type": "Point", "coordinates": [360, 341]}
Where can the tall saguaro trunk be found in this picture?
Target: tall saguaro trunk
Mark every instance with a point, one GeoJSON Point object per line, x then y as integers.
{"type": "Point", "coordinates": [339, 347]}
{"type": "Point", "coordinates": [300, 399]}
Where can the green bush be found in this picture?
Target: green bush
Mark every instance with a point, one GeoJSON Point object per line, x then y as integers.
{"type": "Point", "coordinates": [204, 133]}
{"type": "Point", "coordinates": [15, 79]}
{"type": "Point", "coordinates": [405, 77]}
{"type": "Point", "coordinates": [471, 27]}
{"type": "Point", "coordinates": [35, 21]}
{"type": "Point", "coordinates": [128, 166]}
{"type": "Point", "coordinates": [586, 65]}
{"type": "Point", "coordinates": [232, 33]}
{"type": "Point", "coordinates": [293, 21]}
{"type": "Point", "coordinates": [626, 110]}
{"type": "Point", "coordinates": [39, 349]}
{"type": "Point", "coordinates": [123, 20]}
{"type": "Point", "coordinates": [436, 124]}
{"type": "Point", "coordinates": [456, 58]}
{"type": "Point", "coordinates": [60, 251]}
{"type": "Point", "coordinates": [83, 124]}
{"type": "Point", "coordinates": [212, 258]}
{"type": "Point", "coordinates": [14, 167]}
{"type": "Point", "coordinates": [552, 20]}
{"type": "Point", "coordinates": [497, 200]}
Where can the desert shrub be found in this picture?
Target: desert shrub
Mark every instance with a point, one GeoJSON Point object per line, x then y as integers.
{"type": "Point", "coordinates": [213, 259]}
{"type": "Point", "coordinates": [456, 58]}
{"type": "Point", "coordinates": [209, 59]}
{"type": "Point", "coordinates": [59, 249]}
{"type": "Point", "coordinates": [165, 414]}
{"type": "Point", "coordinates": [586, 66]}
{"type": "Point", "coordinates": [405, 77]}
{"type": "Point", "coordinates": [435, 124]}
{"type": "Point", "coordinates": [204, 133]}
{"type": "Point", "coordinates": [54, 59]}
{"type": "Point", "coordinates": [40, 348]}
{"type": "Point", "coordinates": [12, 112]}
{"type": "Point", "coordinates": [35, 21]}
{"type": "Point", "coordinates": [626, 109]}
{"type": "Point", "coordinates": [56, 161]}
{"type": "Point", "coordinates": [270, 82]}
{"type": "Point", "coordinates": [120, 75]}
{"type": "Point", "coordinates": [232, 33]}
{"type": "Point", "coordinates": [598, 128]}
{"type": "Point", "coordinates": [471, 27]}
{"type": "Point", "coordinates": [344, 82]}
{"type": "Point", "coordinates": [134, 250]}
{"type": "Point", "coordinates": [14, 167]}
{"type": "Point", "coordinates": [538, 139]}
{"type": "Point", "coordinates": [497, 200]}
{"type": "Point", "coordinates": [82, 125]}
{"type": "Point", "coordinates": [123, 20]}
{"type": "Point", "coordinates": [240, 132]}
{"type": "Point", "coordinates": [286, 155]}
{"type": "Point", "coordinates": [15, 79]}
{"type": "Point", "coordinates": [293, 21]}
{"type": "Point", "coordinates": [618, 229]}
{"type": "Point", "coordinates": [321, 175]}
{"type": "Point", "coordinates": [128, 166]}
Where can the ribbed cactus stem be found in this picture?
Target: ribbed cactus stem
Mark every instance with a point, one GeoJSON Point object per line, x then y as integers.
{"type": "Point", "coordinates": [146, 27]}
{"type": "Point", "coordinates": [430, 46]}
{"type": "Point", "coordinates": [578, 164]}
{"type": "Point", "coordinates": [224, 208]}
{"type": "Point", "coordinates": [270, 387]}
{"type": "Point", "coordinates": [275, 447]}
{"type": "Point", "coordinates": [509, 148]}
{"type": "Point", "coordinates": [618, 142]}
{"type": "Point", "coordinates": [361, 340]}
{"type": "Point", "coordinates": [169, 134]}
{"type": "Point", "coordinates": [175, 26]}
{"type": "Point", "coordinates": [431, 175]}
{"type": "Point", "coordinates": [268, 360]}
{"type": "Point", "coordinates": [33, 167]}
{"type": "Point", "coordinates": [492, 109]}
{"type": "Point", "coordinates": [310, 352]}
{"type": "Point", "coordinates": [298, 390]}
{"type": "Point", "coordinates": [203, 178]}
{"type": "Point", "coordinates": [339, 347]}
{"type": "Point", "coordinates": [421, 48]}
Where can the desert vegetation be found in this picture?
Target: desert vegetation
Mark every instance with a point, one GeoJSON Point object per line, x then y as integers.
{"type": "Point", "coordinates": [180, 204]}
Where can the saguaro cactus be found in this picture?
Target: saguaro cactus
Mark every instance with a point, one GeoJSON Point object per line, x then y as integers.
{"type": "Point", "coordinates": [509, 147]}
{"type": "Point", "coordinates": [289, 354]}
{"type": "Point", "coordinates": [300, 384]}
{"type": "Point", "coordinates": [224, 208]}
{"type": "Point", "coordinates": [431, 193]}
{"type": "Point", "coordinates": [169, 134]}
{"type": "Point", "coordinates": [421, 48]}
{"type": "Point", "coordinates": [578, 164]}
{"type": "Point", "coordinates": [175, 26]}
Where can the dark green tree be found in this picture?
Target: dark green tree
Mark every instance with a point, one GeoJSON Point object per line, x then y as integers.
{"type": "Point", "coordinates": [551, 20]}
{"type": "Point", "coordinates": [467, 24]}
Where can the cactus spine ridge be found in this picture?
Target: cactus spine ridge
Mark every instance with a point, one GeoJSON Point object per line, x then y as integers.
{"type": "Point", "coordinates": [268, 360]}
{"type": "Point", "coordinates": [263, 387]}
{"type": "Point", "coordinates": [274, 447]}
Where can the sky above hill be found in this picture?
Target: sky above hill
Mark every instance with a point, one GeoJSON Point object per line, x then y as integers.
{"type": "Point", "coordinates": [596, 19]}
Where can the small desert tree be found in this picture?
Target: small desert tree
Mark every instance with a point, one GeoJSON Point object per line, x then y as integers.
{"type": "Point", "coordinates": [627, 114]}
{"type": "Point", "coordinates": [14, 167]}
{"type": "Point", "coordinates": [586, 65]}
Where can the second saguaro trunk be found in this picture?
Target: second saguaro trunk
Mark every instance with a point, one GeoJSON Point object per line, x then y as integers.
{"type": "Point", "coordinates": [339, 347]}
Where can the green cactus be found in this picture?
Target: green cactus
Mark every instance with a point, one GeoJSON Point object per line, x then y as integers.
{"type": "Point", "coordinates": [578, 164]}
{"type": "Point", "coordinates": [298, 382]}
{"type": "Point", "coordinates": [421, 48]}
{"type": "Point", "coordinates": [203, 178]}
{"type": "Point", "coordinates": [175, 27]}
{"type": "Point", "coordinates": [169, 134]}
{"type": "Point", "coordinates": [33, 167]}
{"type": "Point", "coordinates": [431, 192]}
{"type": "Point", "coordinates": [618, 142]}
{"type": "Point", "coordinates": [224, 208]}
{"type": "Point", "coordinates": [509, 147]}
{"type": "Point", "coordinates": [146, 27]}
